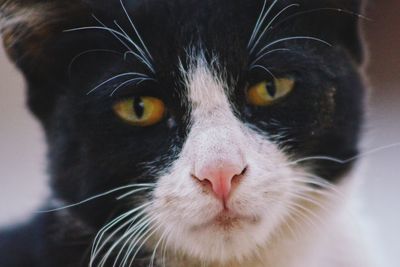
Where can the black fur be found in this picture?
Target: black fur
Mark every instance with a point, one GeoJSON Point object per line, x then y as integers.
{"type": "Point", "coordinates": [92, 151]}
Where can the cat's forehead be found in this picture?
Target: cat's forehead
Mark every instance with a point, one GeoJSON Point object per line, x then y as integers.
{"type": "Point", "coordinates": [175, 26]}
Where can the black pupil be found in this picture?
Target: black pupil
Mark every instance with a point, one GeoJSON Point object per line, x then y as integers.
{"type": "Point", "coordinates": [271, 89]}
{"type": "Point", "coordinates": [138, 107]}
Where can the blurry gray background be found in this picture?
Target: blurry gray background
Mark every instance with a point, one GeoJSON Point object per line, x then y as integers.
{"type": "Point", "coordinates": [22, 151]}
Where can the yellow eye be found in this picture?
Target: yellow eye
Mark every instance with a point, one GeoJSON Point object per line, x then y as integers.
{"type": "Point", "coordinates": [140, 111]}
{"type": "Point", "coordinates": [267, 92]}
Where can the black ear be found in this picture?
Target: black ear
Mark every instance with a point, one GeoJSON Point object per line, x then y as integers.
{"type": "Point", "coordinates": [336, 21]}
{"type": "Point", "coordinates": [32, 32]}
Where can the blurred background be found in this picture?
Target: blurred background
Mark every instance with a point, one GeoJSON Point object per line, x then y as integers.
{"type": "Point", "coordinates": [22, 150]}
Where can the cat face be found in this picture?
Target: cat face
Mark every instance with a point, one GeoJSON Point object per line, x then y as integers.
{"type": "Point", "coordinates": [213, 112]}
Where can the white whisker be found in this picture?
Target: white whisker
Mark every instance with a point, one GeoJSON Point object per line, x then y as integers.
{"type": "Point", "coordinates": [116, 77]}
{"type": "Point", "coordinates": [156, 247]}
{"type": "Point", "coordinates": [123, 38]}
{"type": "Point", "coordinates": [131, 237]}
{"type": "Point", "coordinates": [133, 192]}
{"type": "Point", "coordinates": [136, 31]}
{"type": "Point", "coordinates": [264, 68]}
{"type": "Point", "coordinates": [339, 10]}
{"type": "Point", "coordinates": [290, 39]}
{"type": "Point", "coordinates": [260, 21]}
{"type": "Point", "coordinates": [134, 240]}
{"type": "Point", "coordinates": [267, 53]}
{"type": "Point", "coordinates": [98, 244]}
{"type": "Point", "coordinates": [140, 80]}
{"type": "Point", "coordinates": [142, 54]}
{"type": "Point", "coordinates": [88, 52]}
{"type": "Point", "coordinates": [142, 57]}
{"type": "Point", "coordinates": [345, 161]}
{"type": "Point", "coordinates": [269, 25]}
{"type": "Point", "coordinates": [137, 227]}
{"type": "Point", "coordinates": [255, 26]}
{"type": "Point", "coordinates": [92, 198]}
{"type": "Point", "coordinates": [154, 229]}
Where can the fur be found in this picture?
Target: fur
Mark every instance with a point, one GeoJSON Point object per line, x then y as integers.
{"type": "Point", "coordinates": [128, 196]}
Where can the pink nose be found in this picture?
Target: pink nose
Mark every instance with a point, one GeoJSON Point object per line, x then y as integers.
{"type": "Point", "coordinates": [220, 175]}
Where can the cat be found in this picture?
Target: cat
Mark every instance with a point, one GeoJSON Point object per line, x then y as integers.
{"type": "Point", "coordinates": [191, 133]}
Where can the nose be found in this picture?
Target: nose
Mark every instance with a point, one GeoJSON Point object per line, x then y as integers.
{"type": "Point", "coordinates": [221, 175]}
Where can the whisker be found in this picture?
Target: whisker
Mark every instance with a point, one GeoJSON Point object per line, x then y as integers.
{"type": "Point", "coordinates": [269, 25]}
{"type": "Point", "coordinates": [164, 248]}
{"type": "Point", "coordinates": [313, 179]}
{"type": "Point", "coordinates": [309, 212]}
{"type": "Point", "coordinates": [130, 81]}
{"type": "Point", "coordinates": [254, 32]}
{"type": "Point", "coordinates": [88, 52]}
{"type": "Point", "coordinates": [345, 161]}
{"type": "Point", "coordinates": [116, 77]}
{"type": "Point", "coordinates": [267, 53]}
{"type": "Point", "coordinates": [104, 28]}
{"type": "Point", "coordinates": [115, 33]}
{"type": "Point", "coordinates": [293, 212]}
{"type": "Point", "coordinates": [129, 233]}
{"type": "Point", "coordinates": [156, 247]}
{"type": "Point", "coordinates": [142, 57]}
{"type": "Point", "coordinates": [132, 237]}
{"type": "Point", "coordinates": [290, 39]}
{"type": "Point", "coordinates": [98, 244]}
{"type": "Point", "coordinates": [133, 192]}
{"type": "Point", "coordinates": [120, 36]}
{"type": "Point", "coordinates": [339, 10]}
{"type": "Point", "coordinates": [154, 230]}
{"type": "Point", "coordinates": [93, 198]}
{"type": "Point", "coordinates": [307, 198]}
{"type": "Point", "coordinates": [109, 225]}
{"type": "Point", "coordinates": [260, 21]}
{"type": "Point", "coordinates": [135, 239]}
{"type": "Point", "coordinates": [145, 62]}
{"type": "Point", "coordinates": [136, 31]}
{"type": "Point", "coordinates": [264, 68]}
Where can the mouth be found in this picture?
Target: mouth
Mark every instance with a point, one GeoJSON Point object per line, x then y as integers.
{"type": "Point", "coordinates": [227, 221]}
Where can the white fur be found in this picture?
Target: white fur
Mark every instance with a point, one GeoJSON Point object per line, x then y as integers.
{"type": "Point", "coordinates": [267, 232]}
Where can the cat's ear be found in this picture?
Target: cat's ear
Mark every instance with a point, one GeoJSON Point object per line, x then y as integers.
{"type": "Point", "coordinates": [336, 21]}
{"type": "Point", "coordinates": [32, 33]}
{"type": "Point", "coordinates": [27, 25]}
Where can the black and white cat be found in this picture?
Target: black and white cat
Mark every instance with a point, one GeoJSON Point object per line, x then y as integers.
{"type": "Point", "coordinates": [191, 133]}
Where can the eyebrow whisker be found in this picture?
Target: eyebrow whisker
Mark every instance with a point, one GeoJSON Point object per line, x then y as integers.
{"type": "Point", "coordinates": [130, 81]}
{"type": "Point", "coordinates": [264, 68]}
{"type": "Point", "coordinates": [88, 52]}
{"type": "Point", "coordinates": [260, 21]}
{"type": "Point", "coordinates": [267, 53]}
{"type": "Point", "coordinates": [116, 77]}
{"type": "Point", "coordinates": [290, 39]}
{"type": "Point", "coordinates": [136, 31]}
{"type": "Point", "coordinates": [142, 57]}
{"type": "Point", "coordinates": [338, 10]}
{"type": "Point", "coordinates": [268, 27]}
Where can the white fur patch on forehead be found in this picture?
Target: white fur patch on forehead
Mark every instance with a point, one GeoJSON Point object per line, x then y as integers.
{"type": "Point", "coordinates": [207, 89]}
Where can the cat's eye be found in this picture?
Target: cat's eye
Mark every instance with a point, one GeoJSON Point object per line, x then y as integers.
{"type": "Point", "coordinates": [140, 111]}
{"type": "Point", "coordinates": [267, 92]}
